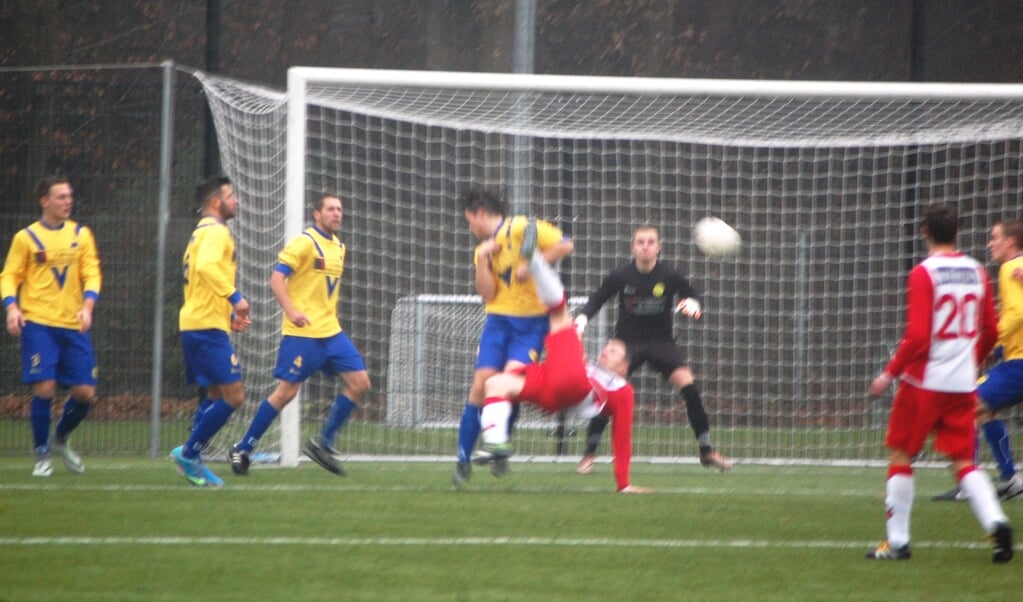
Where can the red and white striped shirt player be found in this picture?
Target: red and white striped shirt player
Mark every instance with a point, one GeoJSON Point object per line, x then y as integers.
{"type": "Point", "coordinates": [951, 326]}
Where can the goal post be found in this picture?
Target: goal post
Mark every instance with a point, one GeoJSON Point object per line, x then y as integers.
{"type": "Point", "coordinates": [824, 181]}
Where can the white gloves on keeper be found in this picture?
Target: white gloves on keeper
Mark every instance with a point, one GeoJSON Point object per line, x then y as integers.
{"type": "Point", "coordinates": [580, 324]}
{"type": "Point", "coordinates": [690, 307]}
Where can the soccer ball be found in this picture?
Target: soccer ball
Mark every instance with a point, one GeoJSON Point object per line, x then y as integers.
{"type": "Point", "coordinates": [715, 238]}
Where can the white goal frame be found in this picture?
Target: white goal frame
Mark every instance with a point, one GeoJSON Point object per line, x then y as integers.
{"type": "Point", "coordinates": [299, 79]}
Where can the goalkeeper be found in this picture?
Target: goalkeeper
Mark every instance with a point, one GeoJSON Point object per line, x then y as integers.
{"type": "Point", "coordinates": [563, 382]}
{"type": "Point", "coordinates": [647, 289]}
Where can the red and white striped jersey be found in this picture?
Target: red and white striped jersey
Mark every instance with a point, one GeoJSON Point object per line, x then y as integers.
{"type": "Point", "coordinates": [951, 324]}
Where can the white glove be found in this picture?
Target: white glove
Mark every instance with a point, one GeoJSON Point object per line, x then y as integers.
{"type": "Point", "coordinates": [580, 324]}
{"type": "Point", "coordinates": [690, 307]}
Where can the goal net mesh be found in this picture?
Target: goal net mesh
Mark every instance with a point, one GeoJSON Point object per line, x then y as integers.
{"type": "Point", "coordinates": [826, 191]}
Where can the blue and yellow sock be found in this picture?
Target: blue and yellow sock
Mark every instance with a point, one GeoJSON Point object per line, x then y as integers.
{"type": "Point", "coordinates": [468, 432]}
{"type": "Point", "coordinates": [264, 417]}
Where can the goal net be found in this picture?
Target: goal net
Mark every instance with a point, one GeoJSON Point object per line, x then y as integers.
{"type": "Point", "coordinates": [825, 182]}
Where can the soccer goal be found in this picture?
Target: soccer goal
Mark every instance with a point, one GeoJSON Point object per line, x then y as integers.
{"type": "Point", "coordinates": [824, 181]}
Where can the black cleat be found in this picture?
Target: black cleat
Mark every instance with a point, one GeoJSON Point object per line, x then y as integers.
{"type": "Point", "coordinates": [1002, 540]}
{"type": "Point", "coordinates": [952, 495]}
{"type": "Point", "coordinates": [239, 461]}
{"type": "Point", "coordinates": [324, 456]}
{"type": "Point", "coordinates": [886, 552]}
{"type": "Point", "coordinates": [463, 470]}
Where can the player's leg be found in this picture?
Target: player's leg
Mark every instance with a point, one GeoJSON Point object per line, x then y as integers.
{"type": "Point", "coordinates": [1001, 389]}
{"type": "Point", "coordinates": [204, 404]}
{"type": "Point", "coordinates": [76, 370]}
{"type": "Point", "coordinates": [499, 389]}
{"type": "Point", "coordinates": [909, 424]}
{"type": "Point", "coordinates": [39, 356]}
{"type": "Point", "coordinates": [955, 438]}
{"type": "Point", "coordinates": [681, 377]}
{"type": "Point", "coordinates": [491, 358]}
{"type": "Point", "coordinates": [344, 359]}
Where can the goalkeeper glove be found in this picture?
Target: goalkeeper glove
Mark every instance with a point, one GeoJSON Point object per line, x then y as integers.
{"type": "Point", "coordinates": [580, 324]}
{"type": "Point", "coordinates": [690, 307]}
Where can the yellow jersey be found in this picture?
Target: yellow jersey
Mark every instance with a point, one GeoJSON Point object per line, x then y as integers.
{"type": "Point", "coordinates": [313, 263]}
{"type": "Point", "coordinates": [209, 267]}
{"type": "Point", "coordinates": [49, 272]}
{"type": "Point", "coordinates": [1010, 310]}
{"type": "Point", "coordinates": [513, 297]}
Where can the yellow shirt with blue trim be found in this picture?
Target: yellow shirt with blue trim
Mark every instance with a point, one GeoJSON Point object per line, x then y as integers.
{"type": "Point", "coordinates": [209, 266]}
{"type": "Point", "coordinates": [513, 297]}
{"type": "Point", "coordinates": [49, 271]}
{"type": "Point", "coordinates": [1010, 310]}
{"type": "Point", "coordinates": [315, 262]}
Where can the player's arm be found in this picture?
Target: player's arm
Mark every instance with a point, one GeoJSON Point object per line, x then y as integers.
{"type": "Point", "coordinates": [988, 321]}
{"type": "Point", "coordinates": [92, 277]}
{"type": "Point", "coordinates": [1010, 322]}
{"type": "Point", "coordinates": [279, 287]}
{"type": "Point", "coordinates": [916, 338]}
{"type": "Point", "coordinates": [486, 280]}
{"type": "Point", "coordinates": [690, 304]}
{"type": "Point", "coordinates": [621, 404]}
{"type": "Point", "coordinates": [15, 268]}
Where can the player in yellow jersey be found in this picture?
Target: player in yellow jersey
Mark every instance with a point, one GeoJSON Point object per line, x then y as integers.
{"type": "Point", "coordinates": [50, 284]}
{"type": "Point", "coordinates": [1002, 387]}
{"type": "Point", "coordinates": [307, 285]}
{"type": "Point", "coordinates": [213, 308]}
{"type": "Point", "coordinates": [516, 320]}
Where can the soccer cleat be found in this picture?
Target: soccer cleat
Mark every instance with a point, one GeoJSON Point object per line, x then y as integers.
{"type": "Point", "coordinates": [43, 468]}
{"type": "Point", "coordinates": [239, 461]}
{"type": "Point", "coordinates": [72, 461]}
{"type": "Point", "coordinates": [463, 470]}
{"type": "Point", "coordinates": [1010, 488]}
{"type": "Point", "coordinates": [190, 469]}
{"type": "Point", "coordinates": [886, 552]}
{"type": "Point", "coordinates": [324, 456]}
{"type": "Point", "coordinates": [585, 465]}
{"type": "Point", "coordinates": [500, 454]}
{"type": "Point", "coordinates": [1002, 540]}
{"type": "Point", "coordinates": [482, 457]}
{"type": "Point", "coordinates": [715, 460]}
{"type": "Point", "coordinates": [952, 495]}
{"type": "Point", "coordinates": [212, 480]}
{"type": "Point", "coordinates": [528, 245]}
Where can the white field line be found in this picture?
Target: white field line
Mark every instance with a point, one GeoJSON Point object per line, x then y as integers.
{"type": "Point", "coordinates": [467, 541]}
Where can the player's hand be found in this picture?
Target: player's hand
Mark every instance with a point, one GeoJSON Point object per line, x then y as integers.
{"type": "Point", "coordinates": [487, 249]}
{"type": "Point", "coordinates": [1018, 274]}
{"type": "Point", "coordinates": [241, 308]}
{"type": "Point", "coordinates": [15, 320]}
{"type": "Point", "coordinates": [689, 307]}
{"type": "Point", "coordinates": [580, 322]}
{"type": "Point", "coordinates": [635, 489]}
{"type": "Point", "coordinates": [299, 319]}
{"type": "Point", "coordinates": [880, 384]}
{"type": "Point", "coordinates": [240, 324]}
{"type": "Point", "coordinates": [85, 317]}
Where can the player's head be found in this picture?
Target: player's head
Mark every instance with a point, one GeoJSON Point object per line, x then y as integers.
{"type": "Point", "coordinates": [327, 213]}
{"type": "Point", "coordinates": [646, 243]}
{"type": "Point", "coordinates": [1006, 240]}
{"type": "Point", "coordinates": [940, 224]}
{"type": "Point", "coordinates": [615, 357]}
{"type": "Point", "coordinates": [481, 209]}
{"type": "Point", "coordinates": [216, 197]}
{"type": "Point", "coordinates": [55, 197]}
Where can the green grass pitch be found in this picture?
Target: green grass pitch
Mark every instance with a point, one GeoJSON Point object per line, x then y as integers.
{"type": "Point", "coordinates": [133, 529]}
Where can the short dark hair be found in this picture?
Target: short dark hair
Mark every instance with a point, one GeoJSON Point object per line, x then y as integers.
{"type": "Point", "coordinates": [318, 203]}
{"type": "Point", "coordinates": [1013, 228]}
{"type": "Point", "coordinates": [941, 222]}
{"type": "Point", "coordinates": [44, 185]}
{"type": "Point", "coordinates": [210, 188]}
{"type": "Point", "coordinates": [476, 199]}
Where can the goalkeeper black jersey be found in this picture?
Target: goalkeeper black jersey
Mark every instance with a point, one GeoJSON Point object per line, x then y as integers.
{"type": "Point", "coordinates": [645, 301]}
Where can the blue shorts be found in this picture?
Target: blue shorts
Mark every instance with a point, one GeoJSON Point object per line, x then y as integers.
{"type": "Point", "coordinates": [1003, 386]}
{"type": "Point", "coordinates": [507, 338]}
{"type": "Point", "coordinates": [61, 354]}
{"type": "Point", "coordinates": [298, 358]}
{"type": "Point", "coordinates": [209, 358]}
